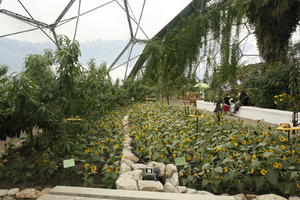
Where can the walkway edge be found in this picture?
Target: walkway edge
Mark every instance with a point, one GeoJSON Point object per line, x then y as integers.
{"type": "Point", "coordinates": [65, 192]}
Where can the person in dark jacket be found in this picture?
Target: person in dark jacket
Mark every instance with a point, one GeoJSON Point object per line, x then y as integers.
{"type": "Point", "coordinates": [243, 101]}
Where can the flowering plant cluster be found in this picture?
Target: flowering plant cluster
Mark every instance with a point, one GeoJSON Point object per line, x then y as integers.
{"type": "Point", "coordinates": [283, 101]}
{"type": "Point", "coordinates": [221, 157]}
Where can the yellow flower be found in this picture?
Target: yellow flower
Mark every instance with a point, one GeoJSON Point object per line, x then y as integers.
{"type": "Point", "coordinates": [251, 141]}
{"type": "Point", "coordinates": [263, 172]}
{"type": "Point", "coordinates": [233, 137]}
{"type": "Point", "coordinates": [196, 175]}
{"type": "Point", "coordinates": [122, 156]}
{"type": "Point", "coordinates": [235, 144]}
{"type": "Point", "coordinates": [88, 150]}
{"type": "Point", "coordinates": [282, 147]}
{"type": "Point", "coordinates": [86, 165]}
{"type": "Point", "coordinates": [226, 169]}
{"type": "Point", "coordinates": [280, 99]}
{"type": "Point", "coordinates": [108, 170]}
{"type": "Point", "coordinates": [94, 168]}
{"type": "Point", "coordinates": [244, 142]}
{"type": "Point", "coordinates": [284, 157]}
{"type": "Point", "coordinates": [266, 134]}
{"type": "Point", "coordinates": [282, 139]}
{"type": "Point", "coordinates": [252, 171]}
{"type": "Point", "coordinates": [174, 155]}
{"type": "Point", "coordinates": [116, 146]}
{"type": "Point", "coordinates": [162, 155]}
{"type": "Point", "coordinates": [298, 185]}
{"type": "Point", "coordinates": [253, 156]}
{"type": "Point", "coordinates": [181, 173]}
{"type": "Point", "coordinates": [277, 165]}
{"type": "Point", "coordinates": [276, 96]}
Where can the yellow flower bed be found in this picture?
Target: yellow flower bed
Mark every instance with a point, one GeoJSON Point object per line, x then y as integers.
{"type": "Point", "coordinates": [221, 158]}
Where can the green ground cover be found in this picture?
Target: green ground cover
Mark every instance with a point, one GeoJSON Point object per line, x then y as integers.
{"type": "Point", "coordinates": [221, 157]}
{"type": "Point", "coordinates": [95, 146]}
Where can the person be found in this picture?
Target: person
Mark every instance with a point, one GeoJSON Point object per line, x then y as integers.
{"type": "Point", "coordinates": [243, 101]}
{"type": "Point", "coordinates": [227, 101]}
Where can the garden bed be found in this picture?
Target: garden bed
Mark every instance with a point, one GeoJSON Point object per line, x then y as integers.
{"type": "Point", "coordinates": [225, 157]}
{"type": "Point", "coordinates": [95, 146]}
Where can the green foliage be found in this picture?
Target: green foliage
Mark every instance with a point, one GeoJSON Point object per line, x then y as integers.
{"type": "Point", "coordinates": [55, 86]}
{"type": "Point", "coordinates": [95, 146]}
{"type": "Point", "coordinates": [227, 156]}
{"type": "Point", "coordinates": [262, 82]}
{"type": "Point", "coordinates": [273, 22]}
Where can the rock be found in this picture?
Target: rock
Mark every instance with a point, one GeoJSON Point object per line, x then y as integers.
{"type": "Point", "coordinates": [130, 156]}
{"type": "Point", "coordinates": [170, 169]}
{"type": "Point", "coordinates": [154, 186]}
{"type": "Point", "coordinates": [124, 168]}
{"type": "Point", "coordinates": [161, 167]}
{"type": "Point", "coordinates": [126, 183]}
{"type": "Point", "coordinates": [251, 196]}
{"type": "Point", "coordinates": [294, 198]}
{"type": "Point", "coordinates": [240, 197]}
{"type": "Point", "coordinates": [127, 162]}
{"type": "Point", "coordinates": [3, 193]}
{"type": "Point", "coordinates": [168, 187]}
{"type": "Point", "coordinates": [135, 174]}
{"type": "Point", "coordinates": [191, 191]}
{"type": "Point", "coordinates": [28, 194]}
{"type": "Point", "coordinates": [202, 192]}
{"type": "Point", "coordinates": [138, 166]}
{"type": "Point", "coordinates": [13, 192]}
{"type": "Point", "coordinates": [181, 189]}
{"type": "Point", "coordinates": [44, 191]}
{"type": "Point", "coordinates": [9, 198]}
{"type": "Point", "coordinates": [224, 194]}
{"type": "Point", "coordinates": [270, 197]}
{"type": "Point", "coordinates": [174, 179]}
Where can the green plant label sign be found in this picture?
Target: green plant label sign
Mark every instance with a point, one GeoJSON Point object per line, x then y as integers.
{"type": "Point", "coordinates": [69, 163]}
{"type": "Point", "coordinates": [180, 161]}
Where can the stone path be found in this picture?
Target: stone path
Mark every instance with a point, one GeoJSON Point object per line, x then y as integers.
{"type": "Point", "coordinates": [80, 193]}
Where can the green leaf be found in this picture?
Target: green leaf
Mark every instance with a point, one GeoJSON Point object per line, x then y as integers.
{"type": "Point", "coordinates": [272, 177]}
{"type": "Point", "coordinates": [268, 154]}
{"type": "Point", "coordinates": [205, 182]}
{"type": "Point", "coordinates": [255, 164]}
{"type": "Point", "coordinates": [206, 166]}
{"type": "Point", "coordinates": [218, 169]}
{"type": "Point", "coordinates": [260, 182]}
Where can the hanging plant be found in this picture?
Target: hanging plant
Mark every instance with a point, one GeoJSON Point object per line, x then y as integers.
{"type": "Point", "coordinates": [274, 22]}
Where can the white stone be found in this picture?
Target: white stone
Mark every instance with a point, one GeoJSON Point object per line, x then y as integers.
{"type": "Point", "coordinates": [202, 192]}
{"type": "Point", "coordinates": [168, 187]}
{"type": "Point", "coordinates": [138, 166]}
{"type": "Point", "coordinates": [44, 191]}
{"type": "Point", "coordinates": [126, 183]}
{"type": "Point", "coordinates": [154, 186]}
{"type": "Point", "coordinates": [170, 169]}
{"type": "Point", "coordinates": [13, 192]}
{"type": "Point", "coordinates": [181, 189]}
{"type": "Point", "coordinates": [130, 156]}
{"type": "Point", "coordinates": [240, 197]}
{"type": "Point", "coordinates": [270, 197]}
{"type": "Point", "coordinates": [294, 198]}
{"type": "Point", "coordinates": [124, 168]}
{"type": "Point", "coordinates": [174, 179]}
{"type": "Point", "coordinates": [191, 191]}
{"type": "Point", "coordinates": [28, 194]}
{"type": "Point", "coordinates": [127, 162]}
{"type": "Point", "coordinates": [251, 196]}
{"type": "Point", "coordinates": [135, 174]}
{"type": "Point", "coordinates": [9, 198]}
{"type": "Point", "coordinates": [161, 167]}
{"type": "Point", "coordinates": [3, 193]}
